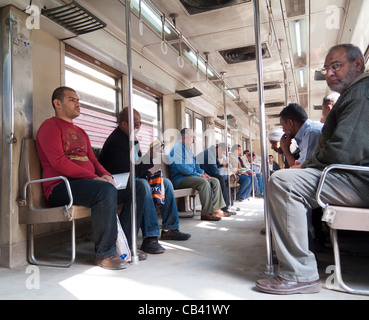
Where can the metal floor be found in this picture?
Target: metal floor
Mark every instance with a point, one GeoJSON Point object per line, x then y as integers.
{"type": "Point", "coordinates": [222, 261]}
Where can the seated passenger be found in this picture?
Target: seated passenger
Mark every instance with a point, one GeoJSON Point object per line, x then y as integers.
{"type": "Point", "coordinates": [293, 192]}
{"type": "Point", "coordinates": [115, 156]}
{"type": "Point", "coordinates": [306, 133]}
{"type": "Point", "coordinates": [258, 176]}
{"type": "Point", "coordinates": [273, 166]}
{"type": "Point", "coordinates": [185, 172]}
{"type": "Point", "coordinates": [275, 137]}
{"type": "Point", "coordinates": [327, 105]}
{"type": "Point", "coordinates": [208, 161]}
{"type": "Point", "coordinates": [65, 150]}
{"type": "Point", "coordinates": [244, 181]}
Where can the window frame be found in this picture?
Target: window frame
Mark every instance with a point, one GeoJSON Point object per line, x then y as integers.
{"type": "Point", "coordinates": [99, 66]}
{"type": "Point", "coordinates": [103, 68]}
{"type": "Point", "coordinates": [156, 96]}
{"type": "Point", "coordinates": [193, 117]}
{"type": "Point", "coordinates": [119, 87]}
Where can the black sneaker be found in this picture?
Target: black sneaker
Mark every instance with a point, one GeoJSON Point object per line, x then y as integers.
{"type": "Point", "coordinates": [151, 245]}
{"type": "Point", "coordinates": [174, 235]}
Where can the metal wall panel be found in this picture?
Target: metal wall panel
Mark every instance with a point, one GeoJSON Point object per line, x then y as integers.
{"type": "Point", "coordinates": [16, 124]}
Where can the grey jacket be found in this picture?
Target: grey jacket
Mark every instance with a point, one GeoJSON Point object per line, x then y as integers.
{"type": "Point", "coordinates": [345, 135]}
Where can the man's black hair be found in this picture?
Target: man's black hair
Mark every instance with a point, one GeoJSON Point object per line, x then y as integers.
{"type": "Point", "coordinates": [294, 112]}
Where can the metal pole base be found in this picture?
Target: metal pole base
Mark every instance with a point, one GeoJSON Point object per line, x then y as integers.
{"type": "Point", "coordinates": [270, 270]}
{"type": "Point", "coordinates": [135, 260]}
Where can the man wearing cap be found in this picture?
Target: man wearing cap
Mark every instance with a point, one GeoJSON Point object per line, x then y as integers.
{"type": "Point", "coordinates": [275, 137]}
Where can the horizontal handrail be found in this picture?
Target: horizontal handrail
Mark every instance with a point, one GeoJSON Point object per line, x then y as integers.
{"type": "Point", "coordinates": [324, 177]}
{"type": "Point", "coordinates": [69, 190]}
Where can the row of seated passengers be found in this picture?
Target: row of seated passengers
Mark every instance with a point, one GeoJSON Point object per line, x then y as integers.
{"type": "Point", "coordinates": [206, 172]}
{"type": "Point", "coordinates": [64, 150]}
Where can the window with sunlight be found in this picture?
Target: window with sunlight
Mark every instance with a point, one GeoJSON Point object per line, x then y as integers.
{"type": "Point", "coordinates": [99, 94]}
{"type": "Point", "coordinates": [148, 107]}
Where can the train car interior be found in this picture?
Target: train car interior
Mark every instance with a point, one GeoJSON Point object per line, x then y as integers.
{"type": "Point", "coordinates": [194, 64]}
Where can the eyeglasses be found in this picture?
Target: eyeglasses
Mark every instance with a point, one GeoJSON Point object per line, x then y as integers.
{"type": "Point", "coordinates": [334, 66]}
{"type": "Point", "coordinates": [137, 125]}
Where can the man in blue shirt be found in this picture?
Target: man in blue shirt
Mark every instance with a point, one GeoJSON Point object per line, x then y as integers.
{"type": "Point", "coordinates": [185, 172]}
{"type": "Point", "coordinates": [306, 133]}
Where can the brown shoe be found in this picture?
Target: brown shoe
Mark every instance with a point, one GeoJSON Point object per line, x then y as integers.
{"type": "Point", "coordinates": [112, 263]}
{"type": "Point", "coordinates": [210, 217]}
{"type": "Point", "coordinates": [281, 286]}
{"type": "Point", "coordinates": [220, 213]}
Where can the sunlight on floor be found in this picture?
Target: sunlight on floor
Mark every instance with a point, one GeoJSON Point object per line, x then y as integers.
{"type": "Point", "coordinates": [100, 284]}
{"type": "Point", "coordinates": [210, 225]}
{"type": "Point", "coordinates": [171, 246]}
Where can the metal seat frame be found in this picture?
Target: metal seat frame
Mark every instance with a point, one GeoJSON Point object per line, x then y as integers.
{"type": "Point", "coordinates": [33, 208]}
{"type": "Point", "coordinates": [342, 218]}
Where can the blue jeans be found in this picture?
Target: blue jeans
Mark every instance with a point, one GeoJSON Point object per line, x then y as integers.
{"type": "Point", "coordinates": [245, 187]}
{"type": "Point", "coordinates": [101, 197]}
{"type": "Point", "coordinates": [146, 216]}
{"type": "Point", "coordinates": [259, 189]}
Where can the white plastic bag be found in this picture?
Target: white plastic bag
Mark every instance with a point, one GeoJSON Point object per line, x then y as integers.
{"type": "Point", "coordinates": [122, 244]}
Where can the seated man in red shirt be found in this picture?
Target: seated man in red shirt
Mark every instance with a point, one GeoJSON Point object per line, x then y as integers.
{"type": "Point", "coordinates": [65, 150]}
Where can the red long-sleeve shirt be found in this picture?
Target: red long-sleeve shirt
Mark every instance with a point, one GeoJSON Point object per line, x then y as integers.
{"type": "Point", "coordinates": [65, 150]}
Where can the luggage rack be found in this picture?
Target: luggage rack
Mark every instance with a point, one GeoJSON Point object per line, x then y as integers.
{"type": "Point", "coordinates": [74, 18]}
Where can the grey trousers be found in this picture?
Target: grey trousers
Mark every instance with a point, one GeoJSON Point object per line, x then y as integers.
{"type": "Point", "coordinates": [209, 205]}
{"type": "Point", "coordinates": [291, 194]}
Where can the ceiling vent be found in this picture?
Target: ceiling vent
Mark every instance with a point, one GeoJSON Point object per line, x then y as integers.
{"type": "Point", "coordinates": [74, 18]}
{"type": "Point", "coordinates": [319, 76]}
{"type": "Point", "coordinates": [275, 105]}
{"type": "Point", "coordinates": [200, 6]}
{"type": "Point", "coordinates": [244, 54]}
{"type": "Point", "coordinates": [267, 86]}
{"type": "Point", "coordinates": [229, 117]}
{"type": "Point", "coordinates": [243, 106]}
{"type": "Point", "coordinates": [189, 93]}
{"type": "Point", "coordinates": [295, 8]}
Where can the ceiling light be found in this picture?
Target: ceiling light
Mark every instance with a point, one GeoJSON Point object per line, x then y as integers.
{"type": "Point", "coordinates": [231, 94]}
{"type": "Point", "coordinates": [299, 44]}
{"type": "Point", "coordinates": [152, 17]}
{"type": "Point", "coordinates": [193, 58]}
{"type": "Point", "coordinates": [298, 38]}
{"type": "Point", "coordinates": [302, 78]}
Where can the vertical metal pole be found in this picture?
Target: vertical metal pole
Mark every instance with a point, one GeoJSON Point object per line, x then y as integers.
{"type": "Point", "coordinates": [251, 163]}
{"type": "Point", "coordinates": [263, 138]}
{"type": "Point", "coordinates": [278, 43]}
{"type": "Point", "coordinates": [131, 130]}
{"type": "Point", "coordinates": [226, 135]}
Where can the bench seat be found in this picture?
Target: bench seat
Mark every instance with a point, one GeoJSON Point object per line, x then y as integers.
{"type": "Point", "coordinates": [34, 208]}
{"type": "Point", "coordinates": [191, 193]}
{"type": "Point", "coordinates": [342, 218]}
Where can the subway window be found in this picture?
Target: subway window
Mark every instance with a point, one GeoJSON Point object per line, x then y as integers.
{"type": "Point", "coordinates": [219, 135]}
{"type": "Point", "coordinates": [199, 134]}
{"type": "Point", "coordinates": [99, 90]}
{"type": "Point", "coordinates": [148, 104]}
